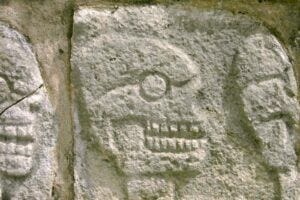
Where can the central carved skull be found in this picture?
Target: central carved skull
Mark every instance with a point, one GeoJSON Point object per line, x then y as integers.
{"type": "Point", "coordinates": [150, 119]}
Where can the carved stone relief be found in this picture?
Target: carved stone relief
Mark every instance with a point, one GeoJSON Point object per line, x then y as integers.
{"type": "Point", "coordinates": [27, 132]}
{"type": "Point", "coordinates": [174, 103]}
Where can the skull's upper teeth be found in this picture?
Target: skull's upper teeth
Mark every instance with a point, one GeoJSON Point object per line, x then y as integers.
{"type": "Point", "coordinates": [16, 139]}
{"type": "Point", "coordinates": [15, 149]}
{"type": "Point", "coordinates": [164, 127]}
{"type": "Point", "coordinates": [194, 128]}
{"type": "Point", "coordinates": [183, 128]}
{"type": "Point", "coordinates": [180, 130]}
{"type": "Point", "coordinates": [173, 127]}
{"type": "Point", "coordinates": [155, 127]}
{"type": "Point", "coordinates": [18, 134]}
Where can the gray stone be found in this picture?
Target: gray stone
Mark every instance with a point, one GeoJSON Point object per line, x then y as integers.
{"type": "Point", "coordinates": [27, 131]}
{"type": "Point", "coordinates": [177, 103]}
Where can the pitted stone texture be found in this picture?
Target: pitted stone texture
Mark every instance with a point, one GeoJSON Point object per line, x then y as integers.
{"type": "Point", "coordinates": [27, 131]}
{"type": "Point", "coordinates": [177, 103]}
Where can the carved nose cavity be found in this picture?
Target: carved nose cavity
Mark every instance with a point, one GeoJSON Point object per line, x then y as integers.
{"type": "Point", "coordinates": [153, 87]}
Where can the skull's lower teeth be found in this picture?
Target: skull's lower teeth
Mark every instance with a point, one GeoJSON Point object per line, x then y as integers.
{"type": "Point", "coordinates": [171, 144]}
{"type": "Point", "coordinates": [20, 134]}
{"type": "Point", "coordinates": [16, 149]}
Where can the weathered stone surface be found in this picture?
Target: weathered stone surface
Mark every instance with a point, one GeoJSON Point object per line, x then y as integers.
{"type": "Point", "coordinates": [175, 103]}
{"type": "Point", "coordinates": [27, 131]}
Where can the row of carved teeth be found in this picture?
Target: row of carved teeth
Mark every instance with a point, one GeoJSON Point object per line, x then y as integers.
{"type": "Point", "coordinates": [171, 144]}
{"type": "Point", "coordinates": [172, 127]}
{"type": "Point", "coordinates": [15, 149]}
{"type": "Point", "coordinates": [174, 130]}
{"type": "Point", "coordinates": [21, 132]}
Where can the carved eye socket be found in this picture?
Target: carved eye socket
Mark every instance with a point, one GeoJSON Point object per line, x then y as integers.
{"type": "Point", "coordinates": [153, 87]}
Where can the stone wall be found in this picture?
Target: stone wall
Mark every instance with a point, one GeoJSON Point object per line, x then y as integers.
{"type": "Point", "coordinates": [149, 99]}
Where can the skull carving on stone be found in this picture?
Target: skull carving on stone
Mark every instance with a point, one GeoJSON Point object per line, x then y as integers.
{"type": "Point", "coordinates": [155, 116]}
{"type": "Point", "coordinates": [186, 104]}
{"type": "Point", "coordinates": [25, 119]}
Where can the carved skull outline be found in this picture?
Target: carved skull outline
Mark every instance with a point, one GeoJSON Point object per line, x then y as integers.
{"type": "Point", "coordinates": [152, 123]}
{"type": "Point", "coordinates": [20, 103]}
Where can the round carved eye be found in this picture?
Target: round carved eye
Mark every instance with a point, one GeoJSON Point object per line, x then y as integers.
{"type": "Point", "coordinates": [153, 86]}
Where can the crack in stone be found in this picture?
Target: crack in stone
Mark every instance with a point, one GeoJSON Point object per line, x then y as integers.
{"type": "Point", "coordinates": [21, 99]}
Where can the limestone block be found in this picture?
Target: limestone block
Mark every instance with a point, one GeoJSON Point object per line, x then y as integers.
{"type": "Point", "coordinates": [27, 129]}
{"type": "Point", "coordinates": [179, 103]}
